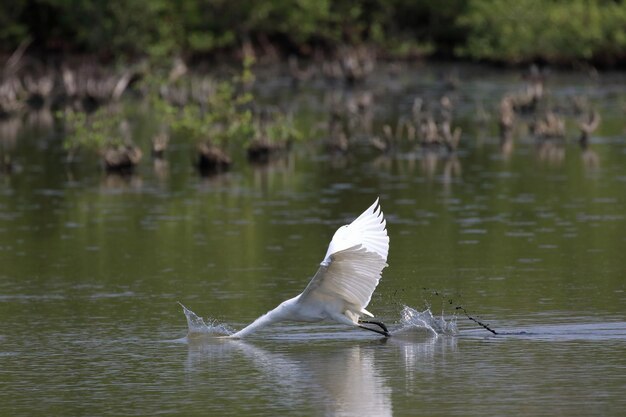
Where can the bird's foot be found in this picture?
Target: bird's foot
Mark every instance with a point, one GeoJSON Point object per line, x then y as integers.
{"type": "Point", "coordinates": [384, 330]}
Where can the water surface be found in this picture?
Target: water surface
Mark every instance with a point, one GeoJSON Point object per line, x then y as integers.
{"type": "Point", "coordinates": [530, 242]}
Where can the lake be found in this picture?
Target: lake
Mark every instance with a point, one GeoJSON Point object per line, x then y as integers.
{"type": "Point", "coordinates": [528, 241]}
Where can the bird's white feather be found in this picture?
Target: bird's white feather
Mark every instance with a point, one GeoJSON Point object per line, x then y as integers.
{"type": "Point", "coordinates": [351, 277]}
{"type": "Point", "coordinates": [369, 230]}
{"type": "Point", "coordinates": [353, 264]}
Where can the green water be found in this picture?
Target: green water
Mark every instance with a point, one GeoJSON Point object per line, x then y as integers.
{"type": "Point", "coordinates": [92, 268]}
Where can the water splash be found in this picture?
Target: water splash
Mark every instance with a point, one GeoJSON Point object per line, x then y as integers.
{"type": "Point", "coordinates": [197, 326]}
{"type": "Point", "coordinates": [412, 320]}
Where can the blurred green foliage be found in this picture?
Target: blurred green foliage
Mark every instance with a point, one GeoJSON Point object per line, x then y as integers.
{"type": "Point", "coordinates": [93, 132]}
{"type": "Point", "coordinates": [554, 31]}
{"type": "Point", "coordinates": [277, 129]}
{"type": "Point", "coordinates": [223, 117]}
{"type": "Point", "coordinates": [226, 116]}
{"type": "Point", "coordinates": [499, 30]}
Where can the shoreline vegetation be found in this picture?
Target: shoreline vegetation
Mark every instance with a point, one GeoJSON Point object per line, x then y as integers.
{"type": "Point", "coordinates": [167, 60]}
{"type": "Point", "coordinates": [215, 115]}
{"type": "Point", "coordinates": [556, 32]}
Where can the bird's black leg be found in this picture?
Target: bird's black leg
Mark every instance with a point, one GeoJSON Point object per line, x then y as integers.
{"type": "Point", "coordinates": [384, 331]}
{"type": "Point", "coordinates": [378, 323]}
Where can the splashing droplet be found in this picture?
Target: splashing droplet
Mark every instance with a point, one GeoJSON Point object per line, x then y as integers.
{"type": "Point", "coordinates": [197, 325]}
{"type": "Point", "coordinates": [413, 320]}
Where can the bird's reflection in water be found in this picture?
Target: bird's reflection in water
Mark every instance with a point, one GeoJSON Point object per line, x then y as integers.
{"type": "Point", "coordinates": [423, 355]}
{"type": "Point", "coordinates": [341, 380]}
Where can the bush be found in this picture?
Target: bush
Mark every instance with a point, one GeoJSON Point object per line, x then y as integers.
{"type": "Point", "coordinates": [497, 30]}
{"type": "Point", "coordinates": [226, 116]}
{"type": "Point", "coordinates": [94, 132]}
{"type": "Point", "coordinates": [554, 31]}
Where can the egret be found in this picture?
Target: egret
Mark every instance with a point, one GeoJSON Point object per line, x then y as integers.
{"type": "Point", "coordinates": [344, 282]}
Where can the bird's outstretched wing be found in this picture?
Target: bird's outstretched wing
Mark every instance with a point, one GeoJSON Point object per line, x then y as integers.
{"type": "Point", "coordinates": [354, 262]}
{"type": "Point", "coordinates": [369, 230]}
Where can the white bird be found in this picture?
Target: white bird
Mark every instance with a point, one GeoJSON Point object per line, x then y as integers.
{"type": "Point", "coordinates": [345, 280]}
